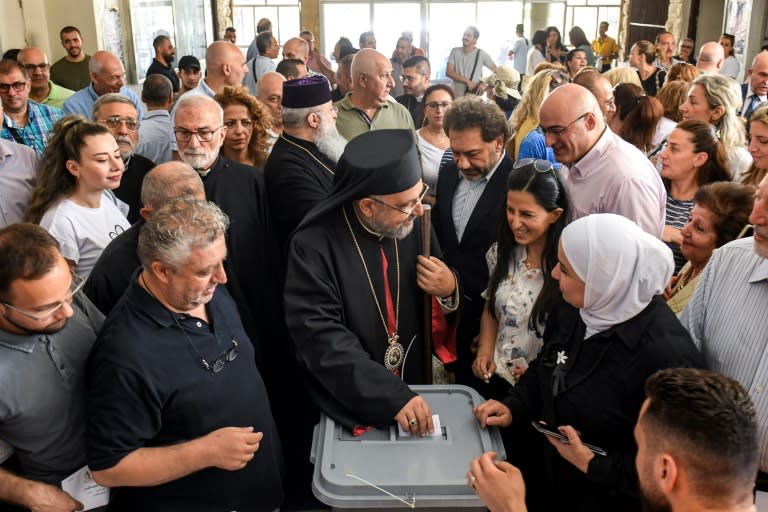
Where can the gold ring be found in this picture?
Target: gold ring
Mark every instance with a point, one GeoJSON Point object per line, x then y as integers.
{"type": "Point", "coordinates": [413, 422]}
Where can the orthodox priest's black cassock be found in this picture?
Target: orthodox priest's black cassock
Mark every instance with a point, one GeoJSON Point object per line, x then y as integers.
{"type": "Point", "coordinates": [335, 279]}
{"type": "Point", "coordinates": [298, 176]}
{"type": "Point", "coordinates": [338, 331]}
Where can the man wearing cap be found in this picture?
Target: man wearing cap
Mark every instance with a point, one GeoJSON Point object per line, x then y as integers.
{"type": "Point", "coordinates": [303, 159]}
{"type": "Point", "coordinates": [189, 73]}
{"type": "Point", "coordinates": [369, 106]}
{"type": "Point", "coordinates": [416, 71]}
{"type": "Point", "coordinates": [355, 286]}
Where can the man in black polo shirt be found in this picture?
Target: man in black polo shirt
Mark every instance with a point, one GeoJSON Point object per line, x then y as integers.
{"type": "Point", "coordinates": [178, 415]}
{"type": "Point", "coordinates": [162, 63]}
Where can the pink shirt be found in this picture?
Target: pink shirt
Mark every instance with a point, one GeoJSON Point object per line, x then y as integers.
{"type": "Point", "coordinates": [616, 177]}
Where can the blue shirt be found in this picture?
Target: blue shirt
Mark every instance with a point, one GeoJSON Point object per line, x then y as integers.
{"type": "Point", "coordinates": [39, 126]}
{"type": "Point", "coordinates": [82, 102]}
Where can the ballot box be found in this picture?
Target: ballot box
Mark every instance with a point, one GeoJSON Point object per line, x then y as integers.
{"type": "Point", "coordinates": [384, 469]}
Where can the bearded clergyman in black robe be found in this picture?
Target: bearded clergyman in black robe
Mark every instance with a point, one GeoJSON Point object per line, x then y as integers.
{"type": "Point", "coordinates": [355, 288]}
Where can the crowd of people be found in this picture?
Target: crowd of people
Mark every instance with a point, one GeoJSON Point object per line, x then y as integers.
{"type": "Point", "coordinates": [191, 275]}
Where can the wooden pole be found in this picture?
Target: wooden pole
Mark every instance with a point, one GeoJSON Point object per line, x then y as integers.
{"type": "Point", "coordinates": [426, 234]}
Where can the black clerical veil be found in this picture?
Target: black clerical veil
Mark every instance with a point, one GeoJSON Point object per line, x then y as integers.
{"type": "Point", "coordinates": [379, 162]}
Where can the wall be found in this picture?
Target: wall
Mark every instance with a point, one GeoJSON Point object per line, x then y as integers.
{"type": "Point", "coordinates": [37, 23]}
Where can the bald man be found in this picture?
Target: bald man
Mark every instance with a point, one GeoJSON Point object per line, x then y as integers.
{"type": "Point", "coordinates": [225, 66]}
{"type": "Point", "coordinates": [39, 70]}
{"type": "Point", "coordinates": [107, 75]}
{"type": "Point", "coordinates": [271, 95]}
{"type": "Point", "coordinates": [755, 91]}
{"type": "Point", "coordinates": [296, 48]}
{"type": "Point", "coordinates": [606, 173]}
{"type": "Point", "coordinates": [369, 106]}
{"type": "Point", "coordinates": [601, 89]}
{"type": "Point", "coordinates": [113, 270]}
{"type": "Point", "coordinates": [711, 56]}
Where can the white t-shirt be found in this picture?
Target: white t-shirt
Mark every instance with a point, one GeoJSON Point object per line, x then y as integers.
{"type": "Point", "coordinates": [84, 232]}
{"type": "Point", "coordinates": [534, 59]}
{"type": "Point", "coordinates": [731, 67]}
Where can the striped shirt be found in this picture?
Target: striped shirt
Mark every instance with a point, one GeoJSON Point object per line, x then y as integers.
{"type": "Point", "coordinates": [677, 215]}
{"type": "Point", "coordinates": [39, 126]}
{"type": "Point", "coordinates": [467, 195]}
{"type": "Point", "coordinates": [727, 320]}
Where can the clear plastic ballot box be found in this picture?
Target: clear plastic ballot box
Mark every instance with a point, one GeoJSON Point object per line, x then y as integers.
{"type": "Point", "coordinates": [384, 469]}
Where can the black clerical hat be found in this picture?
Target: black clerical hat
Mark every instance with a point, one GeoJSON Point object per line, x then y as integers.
{"type": "Point", "coordinates": [378, 162]}
{"type": "Point", "coordinates": [309, 91]}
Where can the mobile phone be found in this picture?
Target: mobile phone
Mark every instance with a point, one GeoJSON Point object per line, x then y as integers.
{"type": "Point", "coordinates": [557, 435]}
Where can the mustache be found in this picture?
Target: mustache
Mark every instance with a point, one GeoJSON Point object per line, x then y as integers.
{"type": "Point", "coordinates": [124, 138]}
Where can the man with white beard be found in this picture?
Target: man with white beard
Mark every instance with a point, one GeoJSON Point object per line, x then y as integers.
{"type": "Point", "coordinates": [299, 171]}
{"type": "Point", "coordinates": [118, 113]}
{"type": "Point", "coordinates": [238, 189]}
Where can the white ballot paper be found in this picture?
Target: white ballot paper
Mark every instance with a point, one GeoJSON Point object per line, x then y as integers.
{"type": "Point", "coordinates": [435, 420]}
{"type": "Point", "coordinates": [81, 486]}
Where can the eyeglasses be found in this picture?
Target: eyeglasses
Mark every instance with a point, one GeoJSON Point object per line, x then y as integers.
{"type": "Point", "coordinates": [42, 316]}
{"type": "Point", "coordinates": [541, 166]}
{"type": "Point", "coordinates": [17, 86]}
{"type": "Point", "coordinates": [114, 122]}
{"type": "Point", "coordinates": [40, 67]}
{"type": "Point", "coordinates": [433, 105]}
{"type": "Point", "coordinates": [333, 110]}
{"type": "Point", "coordinates": [686, 46]}
{"type": "Point", "coordinates": [203, 135]}
{"type": "Point", "coordinates": [557, 131]}
{"type": "Point", "coordinates": [221, 361]}
{"type": "Point", "coordinates": [245, 123]}
{"type": "Point", "coordinates": [409, 211]}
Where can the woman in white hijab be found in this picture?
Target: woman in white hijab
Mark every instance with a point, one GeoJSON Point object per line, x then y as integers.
{"type": "Point", "coordinates": [612, 331]}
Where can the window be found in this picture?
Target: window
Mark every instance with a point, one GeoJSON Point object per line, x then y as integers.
{"type": "Point", "coordinates": [187, 22]}
{"type": "Point", "coordinates": [284, 15]}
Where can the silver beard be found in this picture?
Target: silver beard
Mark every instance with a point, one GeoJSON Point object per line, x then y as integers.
{"type": "Point", "coordinates": [198, 160]}
{"type": "Point", "coordinates": [329, 141]}
{"type": "Point", "coordinates": [401, 231]}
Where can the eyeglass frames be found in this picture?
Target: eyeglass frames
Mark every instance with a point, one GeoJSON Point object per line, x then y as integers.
{"type": "Point", "coordinates": [409, 211]}
{"type": "Point", "coordinates": [220, 362]}
{"type": "Point", "coordinates": [39, 67]}
{"type": "Point", "coordinates": [557, 131]}
{"type": "Point", "coordinates": [434, 105]}
{"type": "Point", "coordinates": [203, 135]}
{"type": "Point", "coordinates": [114, 121]}
{"type": "Point", "coordinates": [42, 316]}
{"type": "Point", "coordinates": [542, 166]}
{"type": "Point", "coordinates": [17, 86]}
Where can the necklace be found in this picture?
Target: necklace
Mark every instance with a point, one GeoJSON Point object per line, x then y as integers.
{"type": "Point", "coordinates": [309, 153]}
{"type": "Point", "coordinates": [393, 356]}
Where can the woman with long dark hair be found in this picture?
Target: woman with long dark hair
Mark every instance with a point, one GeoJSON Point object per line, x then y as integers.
{"type": "Point", "coordinates": [73, 198]}
{"type": "Point", "coordinates": [521, 290]}
{"type": "Point", "coordinates": [692, 157]}
{"type": "Point", "coordinates": [556, 50]}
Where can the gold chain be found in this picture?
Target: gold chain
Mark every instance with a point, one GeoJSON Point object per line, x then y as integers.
{"type": "Point", "coordinates": [370, 283]}
{"type": "Point", "coordinates": [309, 153]}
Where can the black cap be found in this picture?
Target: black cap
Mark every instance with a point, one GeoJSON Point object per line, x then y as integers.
{"type": "Point", "coordinates": [309, 91]}
{"type": "Point", "coordinates": [189, 61]}
{"type": "Point", "coordinates": [379, 162]}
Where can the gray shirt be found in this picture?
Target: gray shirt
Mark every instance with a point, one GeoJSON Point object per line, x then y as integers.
{"type": "Point", "coordinates": [155, 136]}
{"type": "Point", "coordinates": [727, 319]}
{"type": "Point", "coordinates": [463, 64]}
{"type": "Point", "coordinates": [256, 68]}
{"type": "Point", "coordinates": [19, 168]}
{"type": "Point", "coordinates": [42, 406]}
